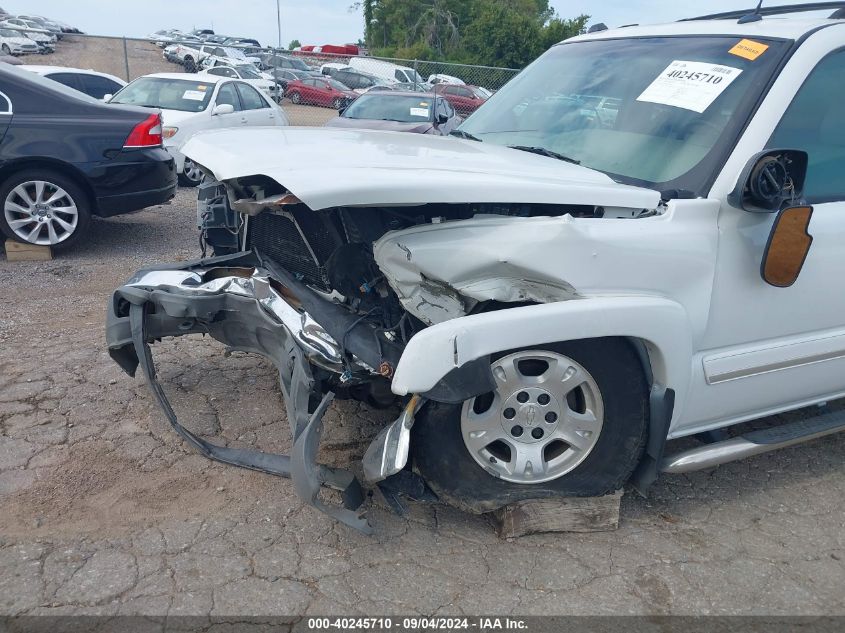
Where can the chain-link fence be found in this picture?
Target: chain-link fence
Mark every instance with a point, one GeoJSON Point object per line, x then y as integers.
{"type": "Point", "coordinates": [310, 87]}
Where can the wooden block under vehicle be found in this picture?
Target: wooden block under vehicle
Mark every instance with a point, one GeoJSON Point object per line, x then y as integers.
{"type": "Point", "coordinates": [20, 252]}
{"type": "Point", "coordinates": [572, 514]}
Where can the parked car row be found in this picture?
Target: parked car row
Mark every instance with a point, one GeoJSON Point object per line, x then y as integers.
{"type": "Point", "coordinates": [364, 74]}
{"type": "Point", "coordinates": [30, 34]}
{"type": "Point", "coordinates": [292, 77]}
{"type": "Point", "coordinates": [53, 178]}
{"type": "Point", "coordinates": [19, 36]}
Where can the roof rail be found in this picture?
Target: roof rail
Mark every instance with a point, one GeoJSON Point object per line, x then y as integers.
{"type": "Point", "coordinates": [779, 10]}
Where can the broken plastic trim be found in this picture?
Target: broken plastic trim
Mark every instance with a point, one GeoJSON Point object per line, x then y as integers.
{"type": "Point", "coordinates": [388, 453]}
{"type": "Point", "coordinates": [307, 475]}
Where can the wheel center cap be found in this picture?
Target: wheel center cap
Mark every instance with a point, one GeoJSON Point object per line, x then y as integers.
{"type": "Point", "coordinates": [528, 414]}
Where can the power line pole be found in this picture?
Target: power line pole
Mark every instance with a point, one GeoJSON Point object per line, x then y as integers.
{"type": "Point", "coordinates": [279, 21]}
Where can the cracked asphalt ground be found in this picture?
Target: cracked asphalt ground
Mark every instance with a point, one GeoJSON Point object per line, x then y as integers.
{"type": "Point", "coordinates": [104, 510]}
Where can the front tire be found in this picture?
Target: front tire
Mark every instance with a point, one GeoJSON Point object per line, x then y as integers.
{"type": "Point", "coordinates": [295, 98]}
{"type": "Point", "coordinates": [43, 207]}
{"type": "Point", "coordinates": [6, 49]}
{"type": "Point", "coordinates": [190, 65]}
{"type": "Point", "coordinates": [337, 104]}
{"type": "Point", "coordinates": [567, 420]}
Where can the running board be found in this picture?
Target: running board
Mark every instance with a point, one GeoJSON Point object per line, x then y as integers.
{"type": "Point", "coordinates": [754, 443]}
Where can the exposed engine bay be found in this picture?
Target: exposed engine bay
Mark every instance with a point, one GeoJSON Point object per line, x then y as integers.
{"type": "Point", "coordinates": [332, 297]}
{"type": "Point", "coordinates": [332, 250]}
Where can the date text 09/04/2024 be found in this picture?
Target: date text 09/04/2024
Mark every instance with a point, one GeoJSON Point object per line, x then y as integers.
{"type": "Point", "coordinates": [417, 624]}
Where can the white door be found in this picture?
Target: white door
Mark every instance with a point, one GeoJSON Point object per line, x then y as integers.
{"type": "Point", "coordinates": [256, 108]}
{"type": "Point", "coordinates": [771, 349]}
{"type": "Point", "coordinates": [228, 94]}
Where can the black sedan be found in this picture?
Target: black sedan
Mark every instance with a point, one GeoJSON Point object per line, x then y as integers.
{"type": "Point", "coordinates": [420, 113]}
{"type": "Point", "coordinates": [65, 157]}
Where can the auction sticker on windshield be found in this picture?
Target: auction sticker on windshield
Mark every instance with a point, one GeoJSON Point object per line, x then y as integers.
{"type": "Point", "coordinates": [690, 85]}
{"type": "Point", "coordinates": [419, 112]}
{"type": "Point", "coordinates": [194, 95]}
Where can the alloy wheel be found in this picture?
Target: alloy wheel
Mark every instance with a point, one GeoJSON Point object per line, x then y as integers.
{"type": "Point", "coordinates": [40, 212]}
{"type": "Point", "coordinates": [192, 172]}
{"type": "Point", "coordinates": [543, 420]}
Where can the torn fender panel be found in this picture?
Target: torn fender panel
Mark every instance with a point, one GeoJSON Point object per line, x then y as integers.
{"type": "Point", "coordinates": [332, 167]}
{"type": "Point", "coordinates": [439, 271]}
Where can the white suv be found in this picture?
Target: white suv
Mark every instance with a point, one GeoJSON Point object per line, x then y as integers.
{"type": "Point", "coordinates": [556, 293]}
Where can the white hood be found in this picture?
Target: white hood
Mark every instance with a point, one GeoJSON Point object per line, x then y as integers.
{"type": "Point", "coordinates": [334, 167]}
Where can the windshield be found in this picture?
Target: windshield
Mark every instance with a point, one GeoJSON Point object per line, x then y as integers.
{"type": "Point", "coordinates": [657, 112]}
{"type": "Point", "coordinates": [296, 63]}
{"type": "Point", "coordinates": [9, 33]}
{"type": "Point", "coordinates": [334, 83]}
{"type": "Point", "coordinates": [386, 107]}
{"type": "Point", "coordinates": [168, 94]}
{"type": "Point", "coordinates": [247, 71]}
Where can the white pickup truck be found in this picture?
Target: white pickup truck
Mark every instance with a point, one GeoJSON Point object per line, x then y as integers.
{"type": "Point", "coordinates": [552, 295]}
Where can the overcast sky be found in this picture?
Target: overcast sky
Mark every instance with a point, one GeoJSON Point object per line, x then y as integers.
{"type": "Point", "coordinates": [311, 21]}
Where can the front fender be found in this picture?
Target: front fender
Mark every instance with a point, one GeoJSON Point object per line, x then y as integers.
{"type": "Point", "coordinates": [661, 324]}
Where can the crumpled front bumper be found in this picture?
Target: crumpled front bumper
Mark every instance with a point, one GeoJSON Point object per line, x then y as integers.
{"type": "Point", "coordinates": [250, 304]}
{"type": "Point", "coordinates": [235, 301]}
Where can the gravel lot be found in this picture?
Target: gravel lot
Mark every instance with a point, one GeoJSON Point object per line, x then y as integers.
{"type": "Point", "coordinates": [106, 511]}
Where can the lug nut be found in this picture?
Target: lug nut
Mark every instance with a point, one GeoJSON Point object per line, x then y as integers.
{"type": "Point", "coordinates": [522, 396]}
{"type": "Point", "coordinates": [509, 413]}
{"type": "Point", "coordinates": [537, 433]}
{"type": "Point", "coordinates": [544, 399]}
{"type": "Point", "coordinates": [551, 417]}
{"type": "Point", "coordinates": [517, 431]}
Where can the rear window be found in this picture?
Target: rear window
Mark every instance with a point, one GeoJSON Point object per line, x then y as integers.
{"type": "Point", "coordinates": [168, 94]}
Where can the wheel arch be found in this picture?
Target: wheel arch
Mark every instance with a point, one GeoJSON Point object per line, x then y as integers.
{"type": "Point", "coordinates": [10, 168]}
{"type": "Point", "coordinates": [657, 328]}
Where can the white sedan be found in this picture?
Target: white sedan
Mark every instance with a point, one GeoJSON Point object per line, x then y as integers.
{"type": "Point", "coordinates": [194, 103]}
{"type": "Point", "coordinates": [248, 73]}
{"type": "Point", "coordinates": [13, 42]}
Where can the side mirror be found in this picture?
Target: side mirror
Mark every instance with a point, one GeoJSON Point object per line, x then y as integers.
{"type": "Point", "coordinates": [770, 179]}
{"type": "Point", "coordinates": [107, 98]}
{"type": "Point", "coordinates": [787, 248]}
{"type": "Point", "coordinates": [442, 118]}
{"type": "Point", "coordinates": [222, 108]}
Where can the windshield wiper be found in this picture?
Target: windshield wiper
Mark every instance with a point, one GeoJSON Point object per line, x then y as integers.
{"type": "Point", "coordinates": [542, 151]}
{"type": "Point", "coordinates": [466, 135]}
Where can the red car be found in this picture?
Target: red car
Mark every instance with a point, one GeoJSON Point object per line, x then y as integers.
{"type": "Point", "coordinates": [320, 91]}
{"type": "Point", "coordinates": [465, 99]}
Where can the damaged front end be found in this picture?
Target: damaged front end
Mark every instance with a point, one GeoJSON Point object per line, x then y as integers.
{"type": "Point", "coordinates": [249, 304]}
{"type": "Point", "coordinates": [332, 294]}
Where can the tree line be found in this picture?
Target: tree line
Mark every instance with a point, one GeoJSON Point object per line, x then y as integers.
{"type": "Point", "coordinates": [509, 33]}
